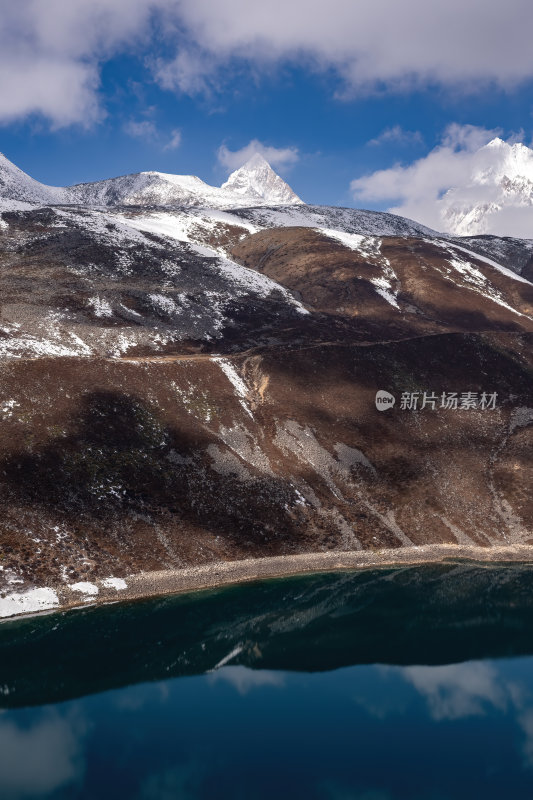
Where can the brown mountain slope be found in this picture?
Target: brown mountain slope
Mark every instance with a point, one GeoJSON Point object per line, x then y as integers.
{"type": "Point", "coordinates": [155, 445]}
{"type": "Point", "coordinates": [413, 283]}
{"type": "Point", "coordinates": [109, 467]}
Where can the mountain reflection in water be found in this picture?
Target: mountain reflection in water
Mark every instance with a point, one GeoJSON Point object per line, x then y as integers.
{"type": "Point", "coordinates": [401, 683]}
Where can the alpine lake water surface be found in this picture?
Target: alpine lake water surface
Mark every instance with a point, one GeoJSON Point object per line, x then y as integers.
{"type": "Point", "coordinates": [413, 682]}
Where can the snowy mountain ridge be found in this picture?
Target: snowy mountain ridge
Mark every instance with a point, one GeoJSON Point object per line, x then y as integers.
{"type": "Point", "coordinates": [254, 197]}
{"type": "Point", "coordinates": [17, 185]}
{"type": "Point", "coordinates": [255, 183]}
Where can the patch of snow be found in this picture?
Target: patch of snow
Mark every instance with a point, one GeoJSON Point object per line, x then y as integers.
{"type": "Point", "coordinates": [237, 382]}
{"type": "Point", "coordinates": [84, 587]}
{"type": "Point", "coordinates": [101, 307]}
{"type": "Point", "coordinates": [164, 302]}
{"type": "Point", "coordinates": [355, 241]}
{"type": "Point", "coordinates": [226, 659]}
{"type": "Point", "coordinates": [6, 408]}
{"type": "Point", "coordinates": [256, 282]}
{"type": "Point", "coordinates": [508, 272]}
{"type": "Point", "coordinates": [481, 283]}
{"type": "Point", "coordinates": [384, 289]}
{"type": "Point", "coordinates": [115, 583]}
{"type": "Point", "coordinates": [173, 224]}
{"type": "Point", "coordinates": [27, 602]}
{"type": "Point", "coordinates": [300, 499]}
{"type": "Point", "coordinates": [27, 346]}
{"type": "Point", "coordinates": [468, 271]}
{"type": "Point", "coordinates": [129, 310]}
{"type": "Point", "coordinates": [473, 276]}
{"type": "Point", "coordinates": [216, 215]}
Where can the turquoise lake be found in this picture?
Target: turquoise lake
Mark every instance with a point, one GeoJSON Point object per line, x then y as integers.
{"type": "Point", "coordinates": [415, 682]}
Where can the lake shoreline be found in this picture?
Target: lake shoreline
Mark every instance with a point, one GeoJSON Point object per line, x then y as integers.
{"type": "Point", "coordinates": [218, 574]}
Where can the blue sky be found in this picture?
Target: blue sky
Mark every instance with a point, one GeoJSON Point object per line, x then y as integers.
{"type": "Point", "coordinates": [140, 85]}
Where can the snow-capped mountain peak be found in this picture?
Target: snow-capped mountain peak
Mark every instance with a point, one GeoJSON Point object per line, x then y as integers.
{"type": "Point", "coordinates": [17, 185]}
{"type": "Point", "coordinates": [257, 179]}
{"type": "Point", "coordinates": [508, 160]}
{"type": "Point", "coordinates": [254, 184]}
{"type": "Point", "coordinates": [497, 196]}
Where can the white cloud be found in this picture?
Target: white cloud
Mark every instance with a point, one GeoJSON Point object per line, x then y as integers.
{"type": "Point", "coordinates": [190, 72]}
{"type": "Point", "coordinates": [459, 690]}
{"type": "Point", "coordinates": [175, 140]}
{"type": "Point", "coordinates": [39, 759]}
{"type": "Point", "coordinates": [398, 135]}
{"type": "Point", "coordinates": [461, 186]}
{"type": "Point", "coordinates": [526, 723]}
{"type": "Point", "coordinates": [141, 130]}
{"type": "Point", "coordinates": [147, 130]}
{"type": "Point", "coordinates": [244, 679]}
{"type": "Point", "coordinates": [371, 45]}
{"type": "Point", "coordinates": [51, 52]}
{"type": "Point", "coordinates": [427, 177]}
{"type": "Point", "coordinates": [468, 137]}
{"type": "Point", "coordinates": [277, 157]}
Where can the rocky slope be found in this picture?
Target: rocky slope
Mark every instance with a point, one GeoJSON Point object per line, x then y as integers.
{"type": "Point", "coordinates": [185, 386]}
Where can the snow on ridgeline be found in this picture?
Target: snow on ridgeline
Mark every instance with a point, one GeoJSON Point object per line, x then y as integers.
{"type": "Point", "coordinates": [255, 183]}
{"type": "Point", "coordinates": [479, 283]}
{"type": "Point", "coordinates": [341, 220]}
{"type": "Point", "coordinates": [16, 185]}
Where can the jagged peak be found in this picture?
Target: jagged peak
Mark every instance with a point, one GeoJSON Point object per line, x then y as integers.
{"type": "Point", "coordinates": [256, 178]}
{"type": "Point", "coordinates": [255, 161]}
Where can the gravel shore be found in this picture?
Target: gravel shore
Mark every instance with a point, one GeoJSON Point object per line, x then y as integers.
{"type": "Point", "coordinates": [189, 579]}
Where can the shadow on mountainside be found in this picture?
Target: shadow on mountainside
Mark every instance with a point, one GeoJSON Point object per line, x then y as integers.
{"type": "Point", "coordinates": [121, 459]}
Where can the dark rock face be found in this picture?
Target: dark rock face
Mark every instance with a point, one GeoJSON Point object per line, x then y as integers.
{"type": "Point", "coordinates": [163, 406]}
